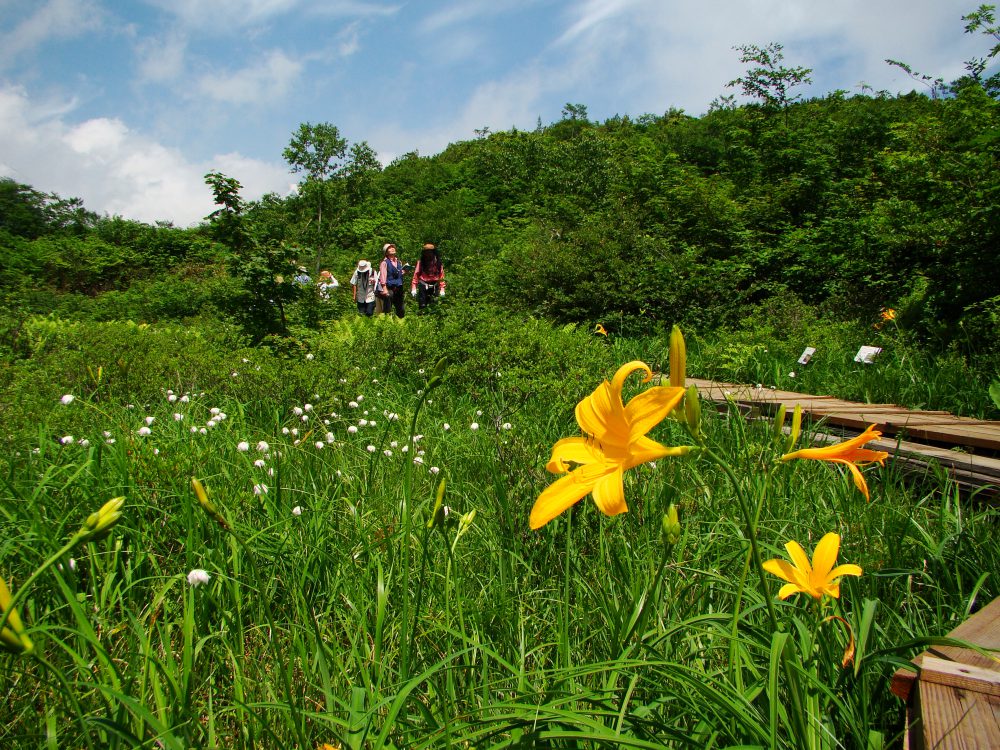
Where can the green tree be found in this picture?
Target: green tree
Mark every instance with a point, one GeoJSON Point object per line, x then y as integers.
{"type": "Point", "coordinates": [318, 151]}
{"type": "Point", "coordinates": [770, 82]}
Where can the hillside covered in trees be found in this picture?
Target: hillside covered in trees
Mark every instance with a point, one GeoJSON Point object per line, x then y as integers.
{"type": "Point", "coordinates": [847, 204]}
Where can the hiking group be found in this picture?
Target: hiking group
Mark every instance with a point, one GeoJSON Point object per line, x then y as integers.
{"type": "Point", "coordinates": [380, 291]}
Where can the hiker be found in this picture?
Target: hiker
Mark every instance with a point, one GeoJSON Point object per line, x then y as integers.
{"type": "Point", "coordinates": [428, 277]}
{"type": "Point", "coordinates": [390, 273]}
{"type": "Point", "coordinates": [302, 276]}
{"type": "Point", "coordinates": [326, 285]}
{"type": "Point", "coordinates": [363, 288]}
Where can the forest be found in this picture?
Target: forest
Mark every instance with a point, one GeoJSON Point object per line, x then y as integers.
{"type": "Point", "coordinates": [235, 513]}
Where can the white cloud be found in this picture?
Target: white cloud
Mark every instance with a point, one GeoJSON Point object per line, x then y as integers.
{"type": "Point", "coordinates": [228, 15]}
{"type": "Point", "coordinates": [55, 19]}
{"type": "Point", "coordinates": [114, 169]}
{"type": "Point", "coordinates": [161, 59]}
{"type": "Point", "coordinates": [265, 81]}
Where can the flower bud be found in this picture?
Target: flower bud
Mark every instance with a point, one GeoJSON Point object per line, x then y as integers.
{"type": "Point", "coordinates": [678, 358]}
{"type": "Point", "coordinates": [12, 635]}
{"type": "Point", "coordinates": [692, 410]}
{"type": "Point", "coordinates": [779, 421]}
{"type": "Point", "coordinates": [98, 525]}
{"type": "Point", "coordinates": [793, 436]}
{"type": "Point", "coordinates": [671, 525]}
{"type": "Point", "coordinates": [207, 505]}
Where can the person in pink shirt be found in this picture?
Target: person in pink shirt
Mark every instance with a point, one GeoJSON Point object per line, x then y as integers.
{"type": "Point", "coordinates": [428, 277]}
{"type": "Point", "coordinates": [390, 275]}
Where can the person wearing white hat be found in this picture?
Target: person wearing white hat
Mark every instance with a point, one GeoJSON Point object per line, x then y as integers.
{"type": "Point", "coordinates": [363, 288]}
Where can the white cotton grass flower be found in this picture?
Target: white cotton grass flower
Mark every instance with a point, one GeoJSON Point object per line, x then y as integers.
{"type": "Point", "coordinates": [371, 423]}
{"type": "Point", "coordinates": [198, 577]}
{"type": "Point", "coordinates": [297, 510]}
{"type": "Point", "coordinates": [150, 420]}
{"type": "Point", "coordinates": [304, 417]}
{"type": "Point", "coordinates": [394, 444]}
{"type": "Point", "coordinates": [285, 430]}
{"type": "Point", "coordinates": [66, 439]}
{"type": "Point", "coordinates": [67, 399]}
{"type": "Point", "coordinates": [387, 453]}
{"type": "Point", "coordinates": [178, 416]}
{"type": "Point", "coordinates": [371, 449]}
{"type": "Point", "coordinates": [352, 429]}
{"type": "Point", "coordinates": [791, 374]}
{"type": "Point", "coordinates": [418, 460]}
{"type": "Point", "coordinates": [106, 433]}
{"type": "Point", "coordinates": [331, 438]}
{"type": "Point", "coordinates": [447, 427]}
{"type": "Point", "coordinates": [260, 489]}
{"type": "Point", "coordinates": [172, 397]}
{"type": "Point", "coordinates": [297, 411]}
{"type": "Point", "coordinates": [144, 432]}
{"type": "Point", "coordinates": [307, 407]}
{"type": "Point", "coordinates": [353, 404]}
{"type": "Point", "coordinates": [156, 451]}
{"type": "Point", "coordinates": [474, 426]}
{"type": "Point", "coordinates": [263, 447]}
{"type": "Point", "coordinates": [194, 430]}
{"type": "Point", "coordinates": [110, 441]}
{"type": "Point", "coordinates": [320, 445]}
{"type": "Point", "coordinates": [506, 426]}
{"type": "Point", "coordinates": [215, 411]}
{"type": "Point", "coordinates": [405, 448]}
{"type": "Point", "coordinates": [204, 431]}
{"type": "Point", "coordinates": [421, 370]}
{"type": "Point", "coordinates": [185, 398]}
{"type": "Point", "coordinates": [83, 443]}
{"type": "Point", "coordinates": [295, 432]}
{"type": "Point", "coordinates": [243, 446]}
{"type": "Point", "coordinates": [479, 412]}
{"type": "Point", "coordinates": [310, 357]}
{"type": "Point", "coordinates": [360, 399]}
{"type": "Point", "coordinates": [362, 423]}
{"type": "Point", "coordinates": [260, 463]}
{"type": "Point", "coordinates": [434, 470]}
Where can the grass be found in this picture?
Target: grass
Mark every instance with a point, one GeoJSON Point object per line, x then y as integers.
{"type": "Point", "coordinates": [367, 619]}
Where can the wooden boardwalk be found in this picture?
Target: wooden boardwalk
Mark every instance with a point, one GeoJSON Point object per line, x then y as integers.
{"type": "Point", "coordinates": [967, 449]}
{"type": "Point", "coordinates": [954, 699]}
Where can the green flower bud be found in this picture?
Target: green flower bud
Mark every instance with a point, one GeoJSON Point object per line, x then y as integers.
{"type": "Point", "coordinates": [672, 525]}
{"type": "Point", "coordinates": [207, 505]}
{"type": "Point", "coordinates": [12, 636]}
{"type": "Point", "coordinates": [98, 525]}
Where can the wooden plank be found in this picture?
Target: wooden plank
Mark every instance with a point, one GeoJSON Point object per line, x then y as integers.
{"type": "Point", "coordinates": [982, 629]}
{"type": "Point", "coordinates": [953, 719]}
{"type": "Point", "coordinates": [957, 675]}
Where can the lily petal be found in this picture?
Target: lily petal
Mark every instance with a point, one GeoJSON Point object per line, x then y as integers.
{"type": "Point", "coordinates": [649, 408]}
{"type": "Point", "coordinates": [825, 556]}
{"type": "Point", "coordinates": [609, 494]}
{"type": "Point", "coordinates": [566, 491]}
{"type": "Point", "coordinates": [645, 449]}
{"type": "Point", "coordinates": [859, 478]}
{"type": "Point", "coordinates": [577, 450]}
{"type": "Point", "coordinates": [594, 413]}
{"type": "Point", "coordinates": [848, 569]}
{"type": "Point", "coordinates": [780, 568]}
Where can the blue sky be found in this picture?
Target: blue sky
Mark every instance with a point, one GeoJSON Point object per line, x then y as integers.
{"type": "Point", "coordinates": [128, 104]}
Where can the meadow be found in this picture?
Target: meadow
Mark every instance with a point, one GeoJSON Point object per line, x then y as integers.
{"type": "Point", "coordinates": [324, 541]}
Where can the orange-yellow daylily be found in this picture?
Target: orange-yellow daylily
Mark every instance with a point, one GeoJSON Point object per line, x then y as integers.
{"type": "Point", "coordinates": [850, 453]}
{"type": "Point", "coordinates": [616, 441]}
{"type": "Point", "coordinates": [600, 329]}
{"type": "Point", "coordinates": [816, 579]}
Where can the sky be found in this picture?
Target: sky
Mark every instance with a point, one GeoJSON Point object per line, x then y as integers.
{"type": "Point", "coordinates": [127, 104]}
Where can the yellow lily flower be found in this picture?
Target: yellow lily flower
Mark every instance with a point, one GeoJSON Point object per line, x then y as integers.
{"type": "Point", "coordinates": [616, 440]}
{"type": "Point", "coordinates": [850, 453]}
{"type": "Point", "coordinates": [816, 579]}
{"type": "Point", "coordinates": [600, 329]}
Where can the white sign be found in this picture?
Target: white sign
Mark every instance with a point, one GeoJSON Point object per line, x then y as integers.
{"type": "Point", "coordinates": [807, 355]}
{"type": "Point", "coordinates": [866, 354]}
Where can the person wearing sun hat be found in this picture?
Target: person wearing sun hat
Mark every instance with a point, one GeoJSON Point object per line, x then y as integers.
{"type": "Point", "coordinates": [363, 287]}
{"type": "Point", "coordinates": [390, 275]}
{"type": "Point", "coordinates": [428, 277]}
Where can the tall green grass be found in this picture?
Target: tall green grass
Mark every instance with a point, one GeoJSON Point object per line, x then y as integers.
{"type": "Point", "coordinates": [342, 609]}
